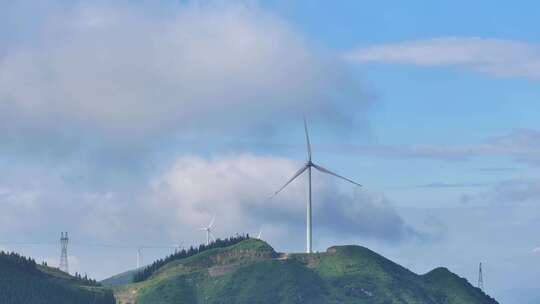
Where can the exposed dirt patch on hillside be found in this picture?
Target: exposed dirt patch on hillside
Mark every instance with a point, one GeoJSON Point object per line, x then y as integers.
{"type": "Point", "coordinates": [128, 296]}
{"type": "Point", "coordinates": [236, 255]}
{"type": "Point", "coordinates": [217, 271]}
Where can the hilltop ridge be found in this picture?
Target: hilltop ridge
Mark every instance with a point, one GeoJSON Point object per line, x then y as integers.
{"type": "Point", "coordinates": [251, 271]}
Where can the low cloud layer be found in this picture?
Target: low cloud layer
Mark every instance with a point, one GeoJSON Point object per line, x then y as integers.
{"type": "Point", "coordinates": [496, 57]}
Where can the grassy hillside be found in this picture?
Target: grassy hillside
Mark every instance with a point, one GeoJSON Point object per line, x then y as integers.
{"type": "Point", "coordinates": [453, 287]}
{"type": "Point", "coordinates": [120, 279]}
{"type": "Point", "coordinates": [22, 281]}
{"type": "Point", "coordinates": [252, 272]}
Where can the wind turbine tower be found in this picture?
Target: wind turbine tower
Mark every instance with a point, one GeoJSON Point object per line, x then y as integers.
{"type": "Point", "coordinates": [480, 278]}
{"type": "Point", "coordinates": [64, 240]}
{"type": "Point", "coordinates": [307, 167]}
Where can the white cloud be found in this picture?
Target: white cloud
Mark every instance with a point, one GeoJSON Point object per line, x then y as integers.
{"type": "Point", "coordinates": [121, 73]}
{"type": "Point", "coordinates": [236, 190]}
{"type": "Point", "coordinates": [171, 205]}
{"type": "Point", "coordinates": [199, 188]}
{"type": "Point", "coordinates": [497, 57]}
{"type": "Point", "coordinates": [17, 203]}
{"type": "Point", "coordinates": [536, 250]}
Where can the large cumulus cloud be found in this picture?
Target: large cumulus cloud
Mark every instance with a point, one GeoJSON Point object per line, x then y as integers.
{"type": "Point", "coordinates": [97, 75]}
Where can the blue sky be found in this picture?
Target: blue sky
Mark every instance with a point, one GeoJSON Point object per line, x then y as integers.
{"type": "Point", "coordinates": [348, 24]}
{"type": "Point", "coordinates": [133, 123]}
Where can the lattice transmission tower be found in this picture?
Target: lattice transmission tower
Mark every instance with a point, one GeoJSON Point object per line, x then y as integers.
{"type": "Point", "coordinates": [64, 240]}
{"type": "Point", "coordinates": [480, 278]}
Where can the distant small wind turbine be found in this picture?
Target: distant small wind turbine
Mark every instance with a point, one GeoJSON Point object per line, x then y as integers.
{"type": "Point", "coordinates": [259, 235]}
{"type": "Point", "coordinates": [178, 248]}
{"type": "Point", "coordinates": [309, 164]}
{"type": "Point", "coordinates": [139, 257]}
{"type": "Point", "coordinates": [208, 230]}
{"type": "Point", "coordinates": [141, 247]}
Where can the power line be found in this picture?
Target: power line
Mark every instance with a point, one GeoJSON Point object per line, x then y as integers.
{"type": "Point", "coordinates": [82, 244]}
{"type": "Point", "coordinates": [102, 245]}
{"type": "Point", "coordinates": [29, 243]}
{"type": "Point", "coordinates": [64, 240]}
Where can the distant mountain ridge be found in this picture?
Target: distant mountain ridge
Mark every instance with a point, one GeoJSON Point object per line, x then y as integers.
{"type": "Point", "coordinates": [252, 272]}
{"type": "Point", "coordinates": [121, 278]}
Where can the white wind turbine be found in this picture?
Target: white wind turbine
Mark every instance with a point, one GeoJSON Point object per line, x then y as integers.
{"type": "Point", "coordinates": [208, 230]}
{"type": "Point", "coordinates": [309, 164]}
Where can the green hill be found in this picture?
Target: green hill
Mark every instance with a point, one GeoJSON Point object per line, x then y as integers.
{"type": "Point", "coordinates": [252, 272]}
{"type": "Point", "coordinates": [22, 281]}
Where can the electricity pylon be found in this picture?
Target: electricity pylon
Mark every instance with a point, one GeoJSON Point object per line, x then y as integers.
{"type": "Point", "coordinates": [64, 240]}
{"type": "Point", "coordinates": [480, 278]}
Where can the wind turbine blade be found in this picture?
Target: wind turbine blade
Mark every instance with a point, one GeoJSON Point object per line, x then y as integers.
{"type": "Point", "coordinates": [290, 180]}
{"type": "Point", "coordinates": [212, 236]}
{"type": "Point", "coordinates": [307, 139]}
{"type": "Point", "coordinates": [334, 174]}
{"type": "Point", "coordinates": [212, 222]}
